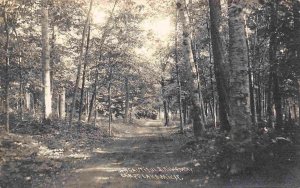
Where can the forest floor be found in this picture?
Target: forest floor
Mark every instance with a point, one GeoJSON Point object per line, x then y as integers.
{"type": "Point", "coordinates": [144, 154]}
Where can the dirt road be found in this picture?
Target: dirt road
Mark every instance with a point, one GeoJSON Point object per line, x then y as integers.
{"type": "Point", "coordinates": [140, 156]}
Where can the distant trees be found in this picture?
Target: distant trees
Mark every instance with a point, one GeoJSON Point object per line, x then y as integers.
{"type": "Point", "coordinates": [248, 63]}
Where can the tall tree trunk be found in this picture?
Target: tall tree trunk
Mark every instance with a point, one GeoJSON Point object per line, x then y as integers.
{"type": "Point", "coordinates": [259, 100]}
{"type": "Point", "coordinates": [269, 101]}
{"type": "Point", "coordinates": [166, 114]}
{"type": "Point", "coordinates": [126, 100]}
{"type": "Point", "coordinates": [91, 106]}
{"type": "Point", "coordinates": [21, 93]}
{"type": "Point", "coordinates": [200, 97]}
{"type": "Point", "coordinates": [109, 99]}
{"type": "Point", "coordinates": [83, 74]}
{"type": "Point", "coordinates": [219, 61]}
{"type": "Point", "coordinates": [213, 111]}
{"type": "Point", "coordinates": [274, 68]}
{"type": "Point", "coordinates": [250, 77]}
{"type": "Point", "coordinates": [239, 116]}
{"type": "Point", "coordinates": [296, 11]}
{"type": "Point", "coordinates": [7, 79]}
{"type": "Point", "coordinates": [298, 101]}
{"type": "Point", "coordinates": [257, 61]}
{"type": "Point", "coordinates": [178, 74]}
{"type": "Point", "coordinates": [184, 111]}
{"type": "Point", "coordinates": [189, 62]}
{"type": "Point", "coordinates": [195, 66]}
{"type": "Point", "coordinates": [47, 97]}
{"type": "Point", "coordinates": [87, 21]}
{"type": "Point", "coordinates": [21, 101]}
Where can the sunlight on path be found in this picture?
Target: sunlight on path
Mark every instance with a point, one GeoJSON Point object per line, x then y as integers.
{"type": "Point", "coordinates": [145, 146]}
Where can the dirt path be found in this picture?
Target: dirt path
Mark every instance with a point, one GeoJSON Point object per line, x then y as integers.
{"type": "Point", "coordinates": [142, 156]}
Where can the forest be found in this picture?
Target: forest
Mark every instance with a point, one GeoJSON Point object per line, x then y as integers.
{"type": "Point", "coordinates": [147, 93]}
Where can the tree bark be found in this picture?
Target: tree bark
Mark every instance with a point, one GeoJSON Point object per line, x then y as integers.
{"type": "Point", "coordinates": [178, 75]}
{"type": "Point", "coordinates": [296, 11]}
{"type": "Point", "coordinates": [166, 114]}
{"type": "Point", "coordinates": [62, 103]}
{"type": "Point", "coordinates": [298, 101]}
{"type": "Point", "coordinates": [219, 61]}
{"type": "Point", "coordinates": [47, 96]}
{"type": "Point", "coordinates": [21, 87]}
{"type": "Point", "coordinates": [27, 100]}
{"type": "Point", "coordinates": [7, 64]}
{"type": "Point", "coordinates": [213, 111]}
{"type": "Point", "coordinates": [109, 99]}
{"type": "Point", "coordinates": [83, 73]}
{"type": "Point", "coordinates": [251, 80]}
{"type": "Point", "coordinates": [274, 68]}
{"type": "Point", "coordinates": [239, 116]}
{"type": "Point", "coordinates": [126, 100]}
{"type": "Point", "coordinates": [91, 106]}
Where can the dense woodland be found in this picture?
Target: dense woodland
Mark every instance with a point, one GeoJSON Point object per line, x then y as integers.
{"type": "Point", "coordinates": [226, 71]}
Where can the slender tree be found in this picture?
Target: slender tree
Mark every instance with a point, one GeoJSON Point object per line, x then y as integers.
{"type": "Point", "coordinates": [84, 73]}
{"type": "Point", "coordinates": [47, 97]}
{"type": "Point", "coordinates": [110, 74]}
{"type": "Point", "coordinates": [178, 75]}
{"type": "Point", "coordinates": [62, 103]}
{"type": "Point", "coordinates": [85, 28]}
{"type": "Point", "coordinates": [7, 64]}
{"type": "Point", "coordinates": [126, 100]}
{"type": "Point", "coordinates": [296, 11]}
{"type": "Point", "coordinates": [274, 70]}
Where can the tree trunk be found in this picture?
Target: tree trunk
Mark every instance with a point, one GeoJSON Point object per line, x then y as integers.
{"type": "Point", "coordinates": [103, 37]}
{"type": "Point", "coordinates": [239, 116]}
{"type": "Point", "coordinates": [91, 106]}
{"type": "Point", "coordinates": [296, 11]}
{"type": "Point", "coordinates": [184, 111]}
{"type": "Point", "coordinates": [126, 100]}
{"type": "Point", "coordinates": [250, 77]}
{"type": "Point", "coordinates": [72, 108]}
{"type": "Point", "coordinates": [83, 74]}
{"type": "Point", "coordinates": [274, 68]}
{"type": "Point", "coordinates": [28, 101]}
{"type": "Point", "coordinates": [213, 112]}
{"type": "Point", "coordinates": [178, 75]}
{"type": "Point", "coordinates": [47, 96]}
{"type": "Point", "coordinates": [109, 99]}
{"type": "Point", "coordinates": [298, 102]}
{"type": "Point", "coordinates": [62, 103]}
{"type": "Point", "coordinates": [21, 93]}
{"type": "Point", "coordinates": [189, 62]}
{"type": "Point", "coordinates": [7, 79]}
{"type": "Point", "coordinates": [269, 102]}
{"type": "Point", "coordinates": [166, 114]}
{"type": "Point", "coordinates": [219, 61]}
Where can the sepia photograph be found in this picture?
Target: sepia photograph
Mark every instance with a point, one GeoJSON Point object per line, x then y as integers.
{"type": "Point", "coordinates": [149, 93]}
